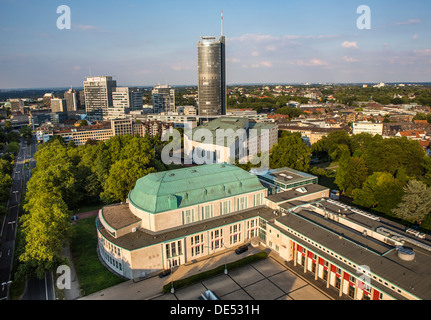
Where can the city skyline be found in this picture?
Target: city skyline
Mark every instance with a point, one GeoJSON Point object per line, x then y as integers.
{"type": "Point", "coordinates": [274, 42]}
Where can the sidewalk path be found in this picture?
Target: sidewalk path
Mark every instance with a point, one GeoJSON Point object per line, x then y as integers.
{"type": "Point", "coordinates": [152, 287]}
{"type": "Point", "coordinates": [74, 292]}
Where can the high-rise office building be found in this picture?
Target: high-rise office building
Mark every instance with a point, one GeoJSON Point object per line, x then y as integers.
{"type": "Point", "coordinates": [71, 100]}
{"type": "Point", "coordinates": [58, 105]}
{"type": "Point", "coordinates": [163, 98]}
{"type": "Point", "coordinates": [212, 75]}
{"type": "Point", "coordinates": [125, 97]}
{"type": "Point", "coordinates": [98, 96]}
{"type": "Point", "coordinates": [81, 100]}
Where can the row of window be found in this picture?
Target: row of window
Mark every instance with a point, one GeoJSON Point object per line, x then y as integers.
{"type": "Point", "coordinates": [359, 268]}
{"type": "Point", "coordinates": [173, 249]}
{"type": "Point", "coordinates": [207, 211]}
{"type": "Point", "coordinates": [111, 261]}
{"type": "Point", "coordinates": [110, 247]}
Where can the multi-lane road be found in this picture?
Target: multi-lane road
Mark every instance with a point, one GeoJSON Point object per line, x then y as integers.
{"type": "Point", "coordinates": [21, 174]}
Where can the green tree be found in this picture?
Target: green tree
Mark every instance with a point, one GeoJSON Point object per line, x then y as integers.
{"type": "Point", "coordinates": [388, 155]}
{"type": "Point", "coordinates": [416, 202]}
{"type": "Point", "coordinates": [343, 167]}
{"type": "Point", "coordinates": [329, 146]}
{"type": "Point", "coordinates": [12, 147]}
{"type": "Point", "coordinates": [46, 227]}
{"type": "Point", "coordinates": [122, 178]}
{"type": "Point", "coordinates": [5, 184]}
{"type": "Point", "coordinates": [290, 151]}
{"type": "Point", "coordinates": [381, 191]}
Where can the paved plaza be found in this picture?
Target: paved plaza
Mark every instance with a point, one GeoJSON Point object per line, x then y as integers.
{"type": "Point", "coordinates": [267, 279]}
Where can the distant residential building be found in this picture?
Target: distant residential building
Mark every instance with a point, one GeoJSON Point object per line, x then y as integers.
{"type": "Point", "coordinates": [103, 131]}
{"type": "Point", "coordinates": [98, 96]}
{"type": "Point", "coordinates": [163, 99]}
{"type": "Point", "coordinates": [127, 98]}
{"type": "Point", "coordinates": [116, 113]}
{"type": "Point", "coordinates": [368, 127]}
{"type": "Point", "coordinates": [58, 105]}
{"type": "Point", "coordinates": [179, 121]}
{"type": "Point", "coordinates": [47, 99]}
{"type": "Point", "coordinates": [151, 128]}
{"type": "Point", "coordinates": [310, 135]}
{"type": "Point", "coordinates": [71, 98]}
{"type": "Point", "coordinates": [190, 111]}
{"type": "Point", "coordinates": [243, 139]}
{"type": "Point", "coordinates": [16, 104]}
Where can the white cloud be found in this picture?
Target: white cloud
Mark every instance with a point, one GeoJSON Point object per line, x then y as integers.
{"type": "Point", "coordinates": [350, 45]}
{"type": "Point", "coordinates": [264, 64]}
{"type": "Point", "coordinates": [424, 52]}
{"type": "Point", "coordinates": [257, 37]}
{"type": "Point", "coordinates": [255, 53]}
{"type": "Point", "coordinates": [415, 37]}
{"type": "Point", "coordinates": [350, 59]}
{"type": "Point", "coordinates": [309, 63]}
{"type": "Point", "coordinates": [408, 22]}
{"type": "Point", "coordinates": [86, 27]}
{"type": "Point", "coordinates": [233, 60]}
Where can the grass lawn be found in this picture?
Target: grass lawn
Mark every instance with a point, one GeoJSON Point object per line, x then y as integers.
{"type": "Point", "coordinates": [92, 274]}
{"type": "Point", "coordinates": [88, 208]}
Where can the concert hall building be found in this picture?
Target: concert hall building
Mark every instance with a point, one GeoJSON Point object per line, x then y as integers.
{"type": "Point", "coordinates": [174, 217]}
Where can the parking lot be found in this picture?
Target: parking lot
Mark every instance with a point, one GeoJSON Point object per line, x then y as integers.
{"type": "Point", "coordinates": [267, 279]}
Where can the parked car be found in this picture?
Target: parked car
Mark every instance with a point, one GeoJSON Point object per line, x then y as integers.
{"type": "Point", "coordinates": [241, 249]}
{"type": "Point", "coordinates": [164, 273]}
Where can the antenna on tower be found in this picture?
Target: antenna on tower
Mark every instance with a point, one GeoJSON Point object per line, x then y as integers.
{"type": "Point", "coordinates": [222, 22]}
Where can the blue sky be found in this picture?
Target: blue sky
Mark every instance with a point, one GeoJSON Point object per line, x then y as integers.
{"type": "Point", "coordinates": [273, 41]}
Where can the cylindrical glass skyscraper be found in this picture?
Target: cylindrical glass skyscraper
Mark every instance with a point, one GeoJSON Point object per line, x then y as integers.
{"type": "Point", "coordinates": [212, 76]}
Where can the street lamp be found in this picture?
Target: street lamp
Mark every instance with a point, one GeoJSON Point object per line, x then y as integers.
{"type": "Point", "coordinates": [225, 264]}
{"type": "Point", "coordinates": [16, 197]}
{"type": "Point", "coordinates": [172, 278]}
{"type": "Point", "coordinates": [12, 223]}
{"type": "Point", "coordinates": [5, 284]}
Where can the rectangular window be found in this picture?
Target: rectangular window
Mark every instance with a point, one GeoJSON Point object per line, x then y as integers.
{"type": "Point", "coordinates": [252, 228]}
{"type": "Point", "coordinates": [235, 233]}
{"type": "Point", "coordinates": [225, 207]}
{"type": "Point", "coordinates": [168, 251]}
{"type": "Point", "coordinates": [351, 292]}
{"type": "Point", "coordinates": [337, 283]}
{"type": "Point", "coordinates": [216, 239]}
{"type": "Point", "coordinates": [180, 251]}
{"type": "Point", "coordinates": [188, 216]}
{"type": "Point", "coordinates": [242, 203]}
{"type": "Point", "coordinates": [207, 211]}
{"type": "Point", "coordinates": [197, 246]}
{"type": "Point", "coordinates": [258, 199]}
{"type": "Point", "coordinates": [325, 275]}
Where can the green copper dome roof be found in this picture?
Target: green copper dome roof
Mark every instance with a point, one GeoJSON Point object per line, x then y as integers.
{"type": "Point", "coordinates": [169, 190]}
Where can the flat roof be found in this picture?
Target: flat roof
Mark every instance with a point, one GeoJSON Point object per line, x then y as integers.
{"type": "Point", "coordinates": [382, 259]}
{"type": "Point", "coordinates": [119, 215]}
{"type": "Point", "coordinates": [143, 238]}
{"type": "Point", "coordinates": [283, 175]}
{"type": "Point", "coordinates": [292, 194]}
